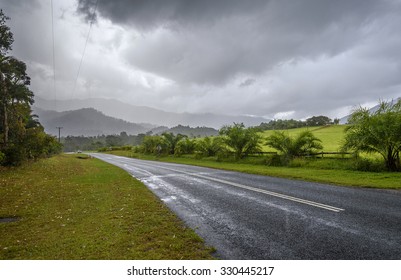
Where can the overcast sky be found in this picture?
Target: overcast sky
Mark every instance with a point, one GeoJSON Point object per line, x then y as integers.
{"type": "Point", "coordinates": [278, 58]}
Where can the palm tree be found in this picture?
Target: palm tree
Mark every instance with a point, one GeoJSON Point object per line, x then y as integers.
{"type": "Point", "coordinates": [377, 132]}
{"type": "Point", "coordinates": [305, 143]}
{"type": "Point", "coordinates": [172, 140]}
{"type": "Point", "coordinates": [241, 140]}
{"type": "Point", "coordinates": [209, 146]}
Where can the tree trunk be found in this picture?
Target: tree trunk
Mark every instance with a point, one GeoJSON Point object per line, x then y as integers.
{"type": "Point", "coordinates": [5, 125]}
{"type": "Point", "coordinates": [5, 115]}
{"type": "Point", "coordinates": [391, 161]}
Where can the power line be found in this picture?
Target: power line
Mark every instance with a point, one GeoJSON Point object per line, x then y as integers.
{"type": "Point", "coordinates": [54, 59]}
{"type": "Point", "coordinates": [83, 53]}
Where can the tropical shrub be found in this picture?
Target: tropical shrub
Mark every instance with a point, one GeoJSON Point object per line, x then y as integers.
{"type": "Point", "coordinates": [242, 141]}
{"type": "Point", "coordinates": [303, 144]}
{"type": "Point", "coordinates": [376, 132]}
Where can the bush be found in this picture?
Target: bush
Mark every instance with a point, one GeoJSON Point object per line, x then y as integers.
{"type": "Point", "coordinates": [276, 160]}
{"type": "Point", "coordinates": [14, 155]}
{"type": "Point", "coordinates": [136, 149]}
{"type": "Point", "coordinates": [156, 145]}
{"type": "Point", "coordinates": [209, 146]}
{"type": "Point", "coordinates": [298, 162]}
{"type": "Point", "coordinates": [369, 165]}
{"type": "Point", "coordinates": [185, 146]}
{"type": "Point", "coordinates": [225, 155]}
{"type": "Point", "coordinates": [331, 163]}
{"type": "Point", "coordinates": [303, 144]}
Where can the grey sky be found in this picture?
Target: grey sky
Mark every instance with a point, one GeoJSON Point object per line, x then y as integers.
{"type": "Point", "coordinates": [282, 58]}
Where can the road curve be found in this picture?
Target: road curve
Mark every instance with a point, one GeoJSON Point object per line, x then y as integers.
{"type": "Point", "coordinates": [259, 217]}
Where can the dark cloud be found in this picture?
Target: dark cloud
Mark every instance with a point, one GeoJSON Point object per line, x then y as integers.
{"type": "Point", "coordinates": [88, 8]}
{"type": "Point", "coordinates": [247, 83]}
{"type": "Point", "coordinates": [17, 5]}
{"type": "Point", "coordinates": [273, 58]}
{"type": "Point", "coordinates": [150, 14]}
{"type": "Point", "coordinates": [214, 41]}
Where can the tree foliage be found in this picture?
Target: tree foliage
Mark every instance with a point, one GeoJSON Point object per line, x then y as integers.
{"type": "Point", "coordinates": [185, 146]}
{"type": "Point", "coordinates": [290, 124]}
{"type": "Point", "coordinates": [6, 36]}
{"type": "Point", "coordinates": [171, 139]}
{"type": "Point", "coordinates": [209, 146]}
{"type": "Point", "coordinates": [303, 144]}
{"type": "Point", "coordinates": [156, 145]}
{"type": "Point", "coordinates": [242, 141]}
{"type": "Point", "coordinates": [377, 132]}
{"type": "Point", "coordinates": [318, 121]}
{"type": "Point", "coordinates": [21, 135]}
{"type": "Point", "coordinates": [281, 124]}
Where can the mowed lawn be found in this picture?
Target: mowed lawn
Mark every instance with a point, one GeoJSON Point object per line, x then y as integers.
{"type": "Point", "coordinates": [74, 207]}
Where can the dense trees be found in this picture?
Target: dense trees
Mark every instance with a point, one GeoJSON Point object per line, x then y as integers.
{"type": "Point", "coordinates": [22, 136]}
{"type": "Point", "coordinates": [318, 121]}
{"type": "Point", "coordinates": [377, 132]}
{"type": "Point", "coordinates": [289, 124]}
{"type": "Point", "coordinates": [281, 124]}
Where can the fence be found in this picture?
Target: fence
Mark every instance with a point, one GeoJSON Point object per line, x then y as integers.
{"type": "Point", "coordinates": [320, 154]}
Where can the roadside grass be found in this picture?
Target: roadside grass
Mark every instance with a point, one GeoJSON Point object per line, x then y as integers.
{"type": "Point", "coordinates": [331, 171]}
{"type": "Point", "coordinates": [77, 207]}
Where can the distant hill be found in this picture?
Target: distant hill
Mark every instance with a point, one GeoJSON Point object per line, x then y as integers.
{"type": "Point", "coordinates": [146, 115]}
{"type": "Point", "coordinates": [86, 121]}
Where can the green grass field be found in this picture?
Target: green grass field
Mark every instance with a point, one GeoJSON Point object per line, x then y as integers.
{"type": "Point", "coordinates": [331, 136]}
{"type": "Point", "coordinates": [75, 207]}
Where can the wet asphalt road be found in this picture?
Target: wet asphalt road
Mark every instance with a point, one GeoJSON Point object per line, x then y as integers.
{"type": "Point", "coordinates": [258, 217]}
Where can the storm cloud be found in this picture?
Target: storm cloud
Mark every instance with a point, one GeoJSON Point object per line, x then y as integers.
{"type": "Point", "coordinates": [268, 58]}
{"type": "Point", "coordinates": [204, 42]}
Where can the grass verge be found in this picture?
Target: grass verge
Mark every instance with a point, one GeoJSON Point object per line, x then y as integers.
{"type": "Point", "coordinates": [74, 207]}
{"type": "Point", "coordinates": [325, 174]}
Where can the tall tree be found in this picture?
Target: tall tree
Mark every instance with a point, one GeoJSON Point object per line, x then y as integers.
{"type": "Point", "coordinates": [377, 132]}
{"type": "Point", "coordinates": [21, 135]}
{"type": "Point", "coordinates": [6, 36]}
{"type": "Point", "coordinates": [14, 82]}
{"type": "Point", "coordinates": [6, 41]}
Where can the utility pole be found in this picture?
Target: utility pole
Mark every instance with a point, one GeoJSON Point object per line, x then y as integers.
{"type": "Point", "coordinates": [59, 128]}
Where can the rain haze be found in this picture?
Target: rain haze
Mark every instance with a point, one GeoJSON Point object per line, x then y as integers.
{"type": "Point", "coordinates": [273, 59]}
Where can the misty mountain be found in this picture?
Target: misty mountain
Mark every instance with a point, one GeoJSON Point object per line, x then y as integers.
{"type": "Point", "coordinates": [146, 115]}
{"type": "Point", "coordinates": [344, 120]}
{"type": "Point", "coordinates": [86, 121]}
